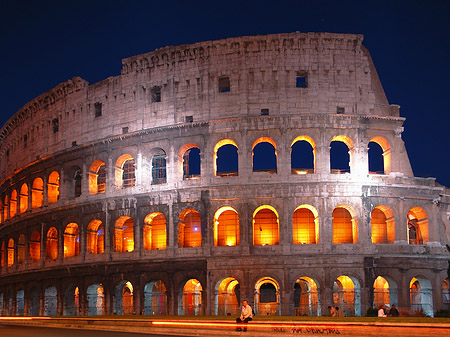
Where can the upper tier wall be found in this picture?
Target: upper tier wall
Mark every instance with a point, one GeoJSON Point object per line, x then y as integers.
{"type": "Point", "coordinates": [262, 72]}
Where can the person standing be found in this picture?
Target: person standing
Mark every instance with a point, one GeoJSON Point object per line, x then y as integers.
{"type": "Point", "coordinates": [393, 312]}
{"type": "Point", "coordinates": [246, 315]}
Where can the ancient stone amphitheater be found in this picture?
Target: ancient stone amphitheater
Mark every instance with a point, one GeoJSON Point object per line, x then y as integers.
{"type": "Point", "coordinates": [268, 168]}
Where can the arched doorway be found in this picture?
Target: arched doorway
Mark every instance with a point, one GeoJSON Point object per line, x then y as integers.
{"type": "Point", "coordinates": [33, 302]}
{"type": "Point", "coordinates": [347, 295]}
{"type": "Point", "coordinates": [227, 297]}
{"type": "Point", "coordinates": [267, 297]}
{"type": "Point", "coordinates": [306, 297]}
{"type": "Point", "coordinates": [155, 298]}
{"type": "Point", "coordinates": [50, 301]}
{"type": "Point", "coordinates": [71, 301]}
{"type": "Point", "coordinates": [20, 303]}
{"type": "Point", "coordinates": [421, 296]}
{"type": "Point", "coordinates": [384, 292]}
{"type": "Point", "coordinates": [123, 298]}
{"type": "Point", "coordinates": [190, 298]}
{"type": "Point", "coordinates": [96, 300]}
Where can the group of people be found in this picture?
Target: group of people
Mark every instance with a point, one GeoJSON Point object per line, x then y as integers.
{"type": "Point", "coordinates": [335, 311]}
{"type": "Point", "coordinates": [382, 312]}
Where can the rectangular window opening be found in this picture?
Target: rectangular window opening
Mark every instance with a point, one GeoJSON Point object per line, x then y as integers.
{"type": "Point", "coordinates": [189, 119]}
{"type": "Point", "coordinates": [224, 84]}
{"type": "Point", "coordinates": [55, 123]}
{"type": "Point", "coordinates": [340, 110]}
{"type": "Point", "coordinates": [264, 112]}
{"type": "Point", "coordinates": [125, 130]}
{"type": "Point", "coordinates": [301, 81]}
{"type": "Point", "coordinates": [98, 109]}
{"type": "Point", "coordinates": [156, 94]}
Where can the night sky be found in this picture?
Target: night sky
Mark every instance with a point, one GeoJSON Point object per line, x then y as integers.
{"type": "Point", "coordinates": [44, 43]}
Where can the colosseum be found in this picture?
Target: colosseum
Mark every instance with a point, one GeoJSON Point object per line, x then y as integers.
{"type": "Point", "coordinates": [269, 168]}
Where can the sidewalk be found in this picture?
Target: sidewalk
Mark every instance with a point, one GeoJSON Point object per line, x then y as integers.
{"type": "Point", "coordinates": [176, 327]}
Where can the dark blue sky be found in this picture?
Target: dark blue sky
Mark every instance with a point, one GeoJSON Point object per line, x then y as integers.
{"type": "Point", "coordinates": [44, 43]}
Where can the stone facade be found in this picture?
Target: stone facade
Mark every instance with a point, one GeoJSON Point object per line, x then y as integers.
{"type": "Point", "coordinates": [102, 212]}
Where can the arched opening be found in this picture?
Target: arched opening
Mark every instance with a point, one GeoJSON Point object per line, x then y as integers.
{"type": "Point", "coordinates": [190, 298]}
{"type": "Point", "coordinates": [159, 172]}
{"type": "Point", "coordinates": [155, 298]}
{"type": "Point", "coordinates": [227, 297]}
{"type": "Point", "coordinates": [383, 225]}
{"type": "Point", "coordinates": [226, 158]}
{"type": "Point", "coordinates": [303, 155]}
{"type": "Point", "coordinates": [347, 295]}
{"type": "Point", "coordinates": [13, 204]}
{"type": "Point", "coordinates": [51, 244]}
{"type": "Point", "coordinates": [23, 198]}
{"type": "Point", "coordinates": [189, 229]}
{"type": "Point", "coordinates": [265, 226]}
{"type": "Point", "coordinates": [96, 300]}
{"type": "Point", "coordinates": [306, 297]}
{"type": "Point", "coordinates": [35, 246]}
{"type": "Point", "coordinates": [3, 256]}
{"type": "Point", "coordinates": [341, 151]}
{"type": "Point", "coordinates": [379, 156]}
{"type": "Point", "coordinates": [95, 237]}
{"type": "Point", "coordinates": [384, 292]}
{"type": "Point", "coordinates": [226, 227]}
{"type": "Point", "coordinates": [53, 187]}
{"type": "Point", "coordinates": [20, 303]}
{"type": "Point", "coordinates": [5, 208]}
{"type": "Point", "coordinates": [123, 298]}
{"type": "Point", "coordinates": [125, 171]}
{"type": "Point", "coordinates": [97, 177]}
{"type": "Point", "coordinates": [9, 304]}
{"type": "Point", "coordinates": [71, 301]}
{"type": "Point", "coordinates": [305, 225]}
{"type": "Point", "coordinates": [10, 252]}
{"type": "Point", "coordinates": [50, 301]}
{"type": "Point", "coordinates": [345, 225]}
{"type": "Point", "coordinates": [124, 234]}
{"type": "Point", "coordinates": [71, 240]}
{"type": "Point", "coordinates": [417, 226]}
{"type": "Point", "coordinates": [37, 193]}
{"type": "Point", "coordinates": [267, 297]}
{"type": "Point", "coordinates": [21, 249]}
{"type": "Point", "coordinates": [421, 296]}
{"type": "Point", "coordinates": [155, 232]}
{"type": "Point", "coordinates": [33, 302]}
{"type": "Point", "coordinates": [264, 155]}
{"type": "Point", "coordinates": [445, 295]}
{"type": "Point", "coordinates": [191, 161]}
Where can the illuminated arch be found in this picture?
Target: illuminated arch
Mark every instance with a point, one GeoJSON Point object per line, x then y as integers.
{"type": "Point", "coordinates": [345, 225]}
{"type": "Point", "coordinates": [96, 299]}
{"type": "Point", "coordinates": [155, 298]}
{"type": "Point", "coordinates": [97, 177]}
{"type": "Point", "coordinates": [226, 227]}
{"type": "Point", "coordinates": [37, 193]}
{"type": "Point", "coordinates": [347, 295]}
{"type": "Point", "coordinates": [190, 298]}
{"type": "Point", "coordinates": [159, 169]}
{"type": "Point", "coordinates": [189, 229]}
{"type": "Point", "coordinates": [95, 237]}
{"type": "Point", "coordinates": [384, 292]}
{"type": "Point", "coordinates": [421, 295]}
{"type": "Point", "coordinates": [218, 171]}
{"type": "Point", "coordinates": [5, 208]}
{"type": "Point", "coordinates": [310, 168]}
{"type": "Point", "coordinates": [123, 298]}
{"type": "Point", "coordinates": [446, 294]}
{"type": "Point", "coordinates": [305, 222]}
{"type": "Point", "coordinates": [269, 158]}
{"type": "Point", "coordinates": [306, 297]}
{"type": "Point", "coordinates": [35, 246]}
{"type": "Point", "coordinates": [125, 171]}
{"type": "Point", "coordinates": [23, 198]}
{"type": "Point", "coordinates": [265, 226]}
{"type": "Point", "coordinates": [124, 234]}
{"type": "Point", "coordinates": [53, 187]}
{"type": "Point", "coordinates": [51, 243]}
{"type": "Point", "coordinates": [71, 240]}
{"type": "Point", "coordinates": [71, 301]}
{"type": "Point", "coordinates": [13, 204]}
{"type": "Point", "coordinates": [417, 225]}
{"type": "Point", "coordinates": [10, 252]}
{"type": "Point", "coordinates": [385, 146]}
{"type": "Point", "coordinates": [383, 224]}
{"type": "Point", "coordinates": [189, 161]}
{"type": "Point", "coordinates": [227, 297]}
{"type": "Point", "coordinates": [335, 168]}
{"type": "Point", "coordinates": [267, 297]}
{"type": "Point", "coordinates": [155, 232]}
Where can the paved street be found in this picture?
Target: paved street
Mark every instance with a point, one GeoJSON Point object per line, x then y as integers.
{"type": "Point", "coordinates": [22, 331]}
